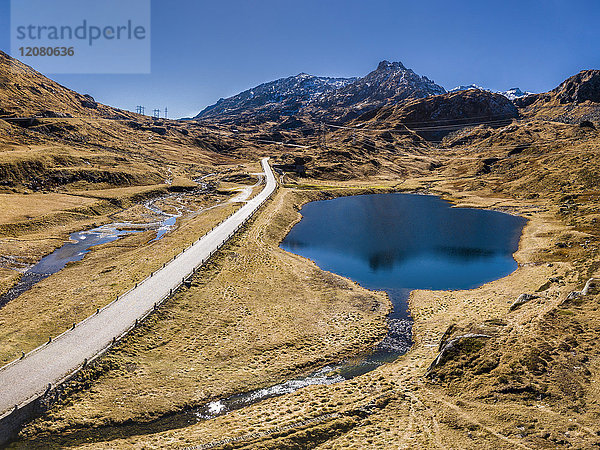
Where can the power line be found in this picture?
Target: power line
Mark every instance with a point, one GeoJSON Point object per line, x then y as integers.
{"type": "Point", "coordinates": [407, 126]}
{"type": "Point", "coordinates": [569, 107]}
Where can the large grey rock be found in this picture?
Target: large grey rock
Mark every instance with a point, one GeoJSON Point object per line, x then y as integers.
{"type": "Point", "coordinates": [521, 300]}
{"type": "Point", "coordinates": [588, 289]}
{"type": "Point", "coordinates": [451, 346]}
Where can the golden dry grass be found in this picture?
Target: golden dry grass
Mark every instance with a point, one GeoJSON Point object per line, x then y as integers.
{"type": "Point", "coordinates": [256, 316]}
{"type": "Point", "coordinates": [260, 316]}
{"type": "Point", "coordinates": [18, 208]}
{"type": "Point", "coordinates": [395, 404]}
{"type": "Point", "coordinates": [75, 292]}
{"type": "Point", "coordinates": [475, 405]}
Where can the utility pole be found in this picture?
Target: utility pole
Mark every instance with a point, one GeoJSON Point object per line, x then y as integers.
{"type": "Point", "coordinates": [322, 135]}
{"type": "Point", "coordinates": [166, 110]}
{"type": "Point", "coordinates": [156, 114]}
{"type": "Point", "coordinates": [139, 109]}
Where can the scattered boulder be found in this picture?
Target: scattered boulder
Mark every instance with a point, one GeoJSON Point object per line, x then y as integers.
{"type": "Point", "coordinates": [518, 149]}
{"type": "Point", "coordinates": [590, 287]}
{"type": "Point", "coordinates": [455, 346]}
{"type": "Point", "coordinates": [486, 165]}
{"type": "Point", "coordinates": [134, 125]}
{"type": "Point", "coordinates": [159, 130]}
{"type": "Point", "coordinates": [587, 124]}
{"type": "Point", "coordinates": [89, 102]}
{"type": "Point", "coordinates": [521, 300]}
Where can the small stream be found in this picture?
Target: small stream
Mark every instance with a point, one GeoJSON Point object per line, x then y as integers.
{"type": "Point", "coordinates": [396, 243]}
{"type": "Point", "coordinates": [81, 242]}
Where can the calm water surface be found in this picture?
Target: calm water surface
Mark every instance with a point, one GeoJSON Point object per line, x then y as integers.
{"type": "Point", "coordinates": [396, 243]}
{"type": "Point", "coordinates": [400, 242]}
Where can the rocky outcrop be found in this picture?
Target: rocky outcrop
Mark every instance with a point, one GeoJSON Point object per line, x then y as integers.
{"type": "Point", "coordinates": [455, 346]}
{"type": "Point", "coordinates": [89, 102]}
{"type": "Point", "coordinates": [390, 83]}
{"type": "Point", "coordinates": [521, 300]}
{"type": "Point", "coordinates": [590, 287]}
{"type": "Point", "coordinates": [585, 86]}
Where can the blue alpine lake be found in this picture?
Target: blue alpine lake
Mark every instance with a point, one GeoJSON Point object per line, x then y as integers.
{"type": "Point", "coordinates": [396, 243]}
{"type": "Point", "coordinates": [400, 242]}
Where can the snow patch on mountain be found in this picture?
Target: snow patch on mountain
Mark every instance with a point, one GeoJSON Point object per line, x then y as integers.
{"type": "Point", "coordinates": [514, 93]}
{"type": "Point", "coordinates": [511, 94]}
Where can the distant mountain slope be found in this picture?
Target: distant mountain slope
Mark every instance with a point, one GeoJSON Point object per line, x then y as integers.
{"type": "Point", "coordinates": [515, 93]}
{"type": "Point", "coordinates": [321, 97]}
{"type": "Point", "coordinates": [26, 92]}
{"type": "Point", "coordinates": [575, 99]}
{"type": "Point", "coordinates": [511, 94]}
{"type": "Point", "coordinates": [582, 87]}
{"type": "Point", "coordinates": [434, 117]}
{"type": "Point", "coordinates": [277, 98]}
{"type": "Point", "coordinates": [466, 87]}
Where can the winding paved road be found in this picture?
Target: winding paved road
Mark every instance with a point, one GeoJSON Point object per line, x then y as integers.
{"type": "Point", "coordinates": [28, 378]}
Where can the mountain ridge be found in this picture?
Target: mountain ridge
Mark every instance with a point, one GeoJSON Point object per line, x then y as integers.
{"type": "Point", "coordinates": [287, 92]}
{"type": "Point", "coordinates": [342, 98]}
{"type": "Point", "coordinates": [511, 94]}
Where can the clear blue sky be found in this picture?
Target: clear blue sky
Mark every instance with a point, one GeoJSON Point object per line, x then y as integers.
{"type": "Point", "coordinates": [203, 50]}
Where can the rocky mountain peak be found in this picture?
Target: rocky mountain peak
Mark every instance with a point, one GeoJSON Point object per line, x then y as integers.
{"type": "Point", "coordinates": [386, 65]}
{"type": "Point", "coordinates": [323, 97]}
{"type": "Point", "coordinates": [584, 86]}
{"type": "Point", "coordinates": [390, 82]}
